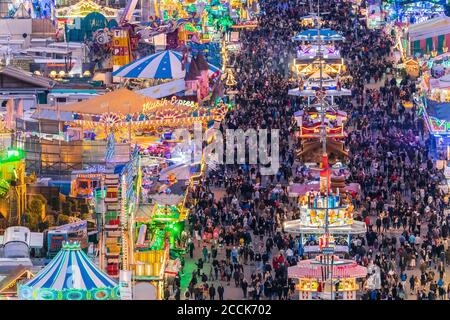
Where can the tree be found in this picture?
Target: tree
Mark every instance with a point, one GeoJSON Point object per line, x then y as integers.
{"type": "Point", "coordinates": [73, 205]}
{"type": "Point", "coordinates": [85, 216]}
{"type": "Point", "coordinates": [30, 220]}
{"type": "Point", "coordinates": [36, 207]}
{"type": "Point", "coordinates": [224, 23]}
{"type": "Point", "coordinates": [63, 219]}
{"type": "Point", "coordinates": [34, 213]}
{"type": "Point", "coordinates": [54, 203]}
{"type": "Point", "coordinates": [66, 208]}
{"type": "Point", "coordinates": [50, 219]}
{"type": "Point", "coordinates": [43, 225]}
{"type": "Point", "coordinates": [84, 208]}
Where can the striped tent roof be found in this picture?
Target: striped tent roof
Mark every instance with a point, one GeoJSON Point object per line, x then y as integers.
{"type": "Point", "coordinates": [71, 269]}
{"type": "Point", "coordinates": [342, 269]}
{"type": "Point", "coordinates": [162, 65]}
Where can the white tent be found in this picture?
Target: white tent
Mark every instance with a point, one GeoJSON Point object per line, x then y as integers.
{"type": "Point", "coordinates": [428, 29]}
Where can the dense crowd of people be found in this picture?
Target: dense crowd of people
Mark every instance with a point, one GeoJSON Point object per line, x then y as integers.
{"type": "Point", "coordinates": [238, 239]}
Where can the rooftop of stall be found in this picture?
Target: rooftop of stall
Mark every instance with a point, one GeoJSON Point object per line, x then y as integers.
{"type": "Point", "coordinates": [437, 117]}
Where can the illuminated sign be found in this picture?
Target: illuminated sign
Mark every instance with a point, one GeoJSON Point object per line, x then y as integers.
{"type": "Point", "coordinates": [438, 125]}
{"type": "Point", "coordinates": [121, 47]}
{"type": "Point", "coordinates": [149, 106]}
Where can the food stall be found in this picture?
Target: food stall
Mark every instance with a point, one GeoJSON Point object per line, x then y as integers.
{"type": "Point", "coordinates": [344, 273]}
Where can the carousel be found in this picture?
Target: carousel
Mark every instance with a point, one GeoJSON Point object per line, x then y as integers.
{"type": "Point", "coordinates": [318, 206]}
{"type": "Point", "coordinates": [309, 122]}
{"type": "Point", "coordinates": [127, 115]}
{"type": "Point", "coordinates": [342, 285]}
{"type": "Point", "coordinates": [71, 275]}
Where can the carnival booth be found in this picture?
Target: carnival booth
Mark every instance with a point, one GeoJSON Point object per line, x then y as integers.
{"type": "Point", "coordinates": [412, 68]}
{"type": "Point", "coordinates": [81, 9]}
{"type": "Point", "coordinates": [344, 273]}
{"type": "Point", "coordinates": [430, 37]}
{"type": "Point", "coordinates": [159, 240]}
{"type": "Point", "coordinates": [326, 200]}
{"type": "Point", "coordinates": [433, 100]}
{"type": "Point", "coordinates": [316, 67]}
{"type": "Point", "coordinates": [310, 122]}
{"type": "Point", "coordinates": [310, 69]}
{"type": "Point", "coordinates": [310, 51]}
{"type": "Point", "coordinates": [312, 214]}
{"type": "Point", "coordinates": [71, 275]}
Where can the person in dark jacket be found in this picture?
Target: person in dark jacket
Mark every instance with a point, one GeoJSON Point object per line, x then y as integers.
{"type": "Point", "coordinates": [220, 291]}
{"type": "Point", "coordinates": [244, 286]}
{"type": "Point", "coordinates": [177, 294]}
{"type": "Point", "coordinates": [212, 292]}
{"type": "Point", "coordinates": [191, 250]}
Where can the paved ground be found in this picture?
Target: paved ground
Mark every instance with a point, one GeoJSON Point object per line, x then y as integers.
{"type": "Point", "coordinates": [231, 291]}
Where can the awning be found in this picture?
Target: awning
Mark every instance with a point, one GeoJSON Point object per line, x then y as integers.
{"type": "Point", "coordinates": [164, 90]}
{"type": "Point", "coordinates": [311, 269]}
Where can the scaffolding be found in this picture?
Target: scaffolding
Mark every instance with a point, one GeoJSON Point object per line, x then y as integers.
{"type": "Point", "coordinates": [58, 158]}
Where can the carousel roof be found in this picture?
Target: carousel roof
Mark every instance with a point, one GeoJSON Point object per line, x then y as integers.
{"type": "Point", "coordinates": [296, 227]}
{"type": "Point", "coordinates": [71, 269]}
{"type": "Point", "coordinates": [83, 8]}
{"type": "Point", "coordinates": [122, 101]}
{"type": "Point", "coordinates": [313, 269]}
{"type": "Point", "coordinates": [167, 64]}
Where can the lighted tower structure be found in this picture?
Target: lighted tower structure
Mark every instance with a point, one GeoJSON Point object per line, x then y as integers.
{"type": "Point", "coordinates": [321, 212]}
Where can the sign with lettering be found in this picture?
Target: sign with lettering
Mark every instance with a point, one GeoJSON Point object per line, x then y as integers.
{"type": "Point", "coordinates": [149, 106]}
{"type": "Point", "coordinates": [121, 47]}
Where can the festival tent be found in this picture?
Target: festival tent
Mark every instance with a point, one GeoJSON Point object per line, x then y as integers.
{"type": "Point", "coordinates": [162, 65]}
{"type": "Point", "coordinates": [70, 276]}
{"type": "Point", "coordinates": [433, 34]}
{"type": "Point", "coordinates": [122, 101]}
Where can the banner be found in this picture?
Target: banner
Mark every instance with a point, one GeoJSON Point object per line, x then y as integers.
{"type": "Point", "coordinates": [121, 47]}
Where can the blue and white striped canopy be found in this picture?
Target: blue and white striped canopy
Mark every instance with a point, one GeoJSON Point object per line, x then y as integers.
{"type": "Point", "coordinates": [162, 65]}
{"type": "Point", "coordinates": [71, 269]}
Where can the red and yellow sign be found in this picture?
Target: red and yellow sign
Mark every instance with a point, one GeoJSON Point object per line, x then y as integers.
{"type": "Point", "coordinates": [121, 47]}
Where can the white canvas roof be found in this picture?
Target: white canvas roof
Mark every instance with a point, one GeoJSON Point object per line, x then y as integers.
{"type": "Point", "coordinates": [431, 28]}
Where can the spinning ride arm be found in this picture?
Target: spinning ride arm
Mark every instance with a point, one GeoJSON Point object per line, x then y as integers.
{"type": "Point", "coordinates": [128, 11]}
